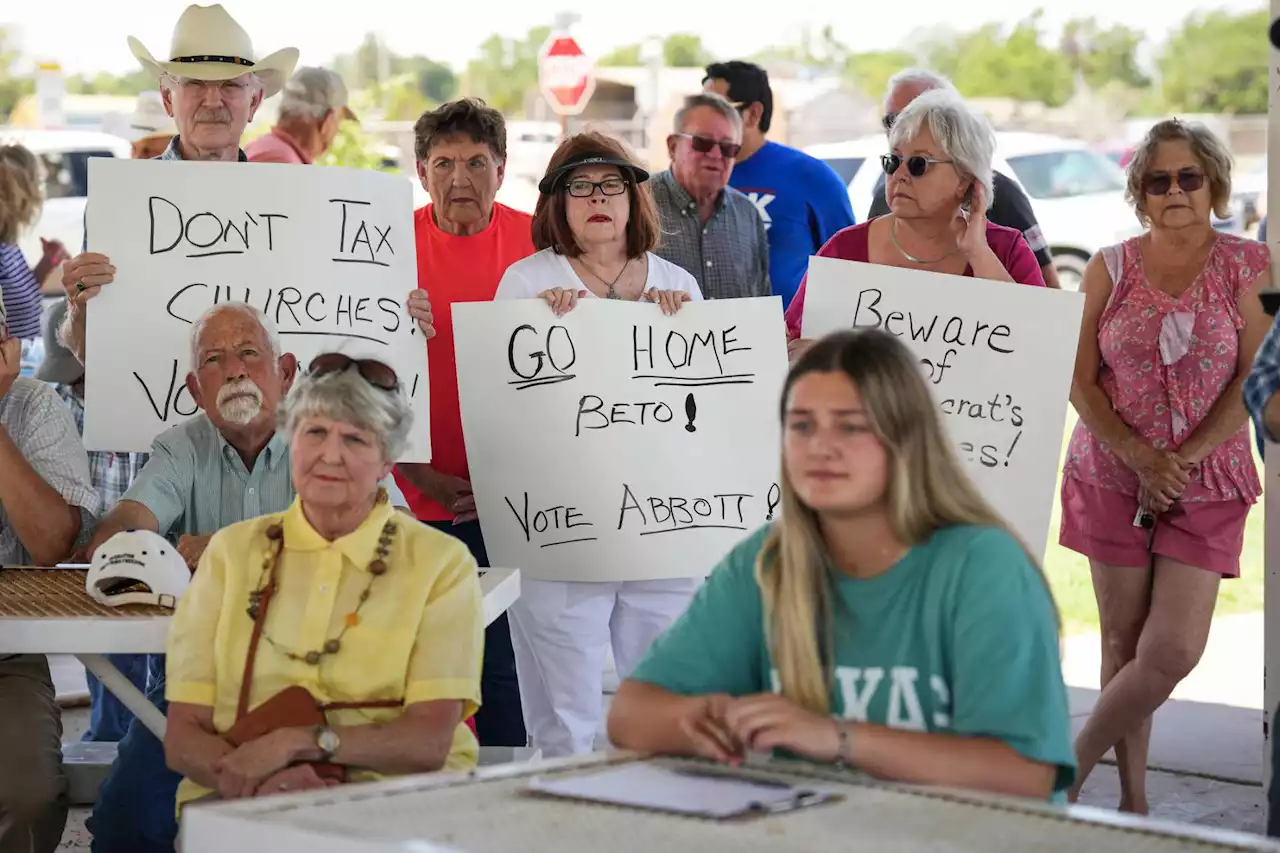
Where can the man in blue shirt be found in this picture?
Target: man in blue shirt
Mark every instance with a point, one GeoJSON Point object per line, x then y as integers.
{"type": "Point", "coordinates": [802, 200]}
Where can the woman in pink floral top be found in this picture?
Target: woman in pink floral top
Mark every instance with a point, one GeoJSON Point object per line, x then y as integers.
{"type": "Point", "coordinates": [1160, 475]}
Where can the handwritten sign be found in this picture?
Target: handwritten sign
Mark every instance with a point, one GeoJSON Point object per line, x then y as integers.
{"type": "Point", "coordinates": [326, 253]}
{"type": "Point", "coordinates": [1270, 596]}
{"type": "Point", "coordinates": [998, 357]}
{"type": "Point", "coordinates": [618, 444]}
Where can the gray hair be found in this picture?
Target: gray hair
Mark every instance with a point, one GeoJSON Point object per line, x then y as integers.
{"type": "Point", "coordinates": [313, 93]}
{"type": "Point", "coordinates": [922, 78]}
{"type": "Point", "coordinates": [964, 135]}
{"type": "Point", "coordinates": [711, 100]}
{"type": "Point", "coordinates": [347, 397]}
{"type": "Point", "coordinates": [1205, 146]}
{"type": "Point", "coordinates": [268, 327]}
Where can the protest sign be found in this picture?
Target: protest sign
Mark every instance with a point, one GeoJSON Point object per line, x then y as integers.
{"type": "Point", "coordinates": [327, 254]}
{"type": "Point", "coordinates": [998, 357]}
{"type": "Point", "coordinates": [614, 443]}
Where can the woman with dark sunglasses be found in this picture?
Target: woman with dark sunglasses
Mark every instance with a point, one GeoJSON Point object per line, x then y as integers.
{"type": "Point", "coordinates": [1159, 474]}
{"type": "Point", "coordinates": [339, 640]}
{"type": "Point", "coordinates": [939, 190]}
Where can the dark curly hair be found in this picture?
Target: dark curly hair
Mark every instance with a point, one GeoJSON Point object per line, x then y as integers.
{"type": "Point", "coordinates": [469, 116]}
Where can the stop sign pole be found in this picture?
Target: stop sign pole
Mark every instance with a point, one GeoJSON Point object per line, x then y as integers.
{"type": "Point", "coordinates": [566, 76]}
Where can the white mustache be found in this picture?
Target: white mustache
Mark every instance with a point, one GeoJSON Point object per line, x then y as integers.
{"type": "Point", "coordinates": [221, 116]}
{"type": "Point", "coordinates": [240, 401]}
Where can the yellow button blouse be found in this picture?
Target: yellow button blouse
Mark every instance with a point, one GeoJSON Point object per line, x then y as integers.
{"type": "Point", "coordinates": [420, 635]}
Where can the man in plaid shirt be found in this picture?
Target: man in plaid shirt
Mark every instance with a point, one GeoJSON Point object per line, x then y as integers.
{"type": "Point", "coordinates": [1260, 388]}
{"type": "Point", "coordinates": [110, 474]}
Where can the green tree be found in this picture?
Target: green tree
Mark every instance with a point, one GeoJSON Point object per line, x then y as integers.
{"type": "Point", "coordinates": [1217, 63]}
{"type": "Point", "coordinates": [506, 70]}
{"type": "Point", "coordinates": [104, 83]}
{"type": "Point", "coordinates": [355, 148]}
{"type": "Point", "coordinates": [12, 88]}
{"type": "Point", "coordinates": [626, 56]}
{"type": "Point", "coordinates": [869, 73]}
{"type": "Point", "coordinates": [679, 50]}
{"type": "Point", "coordinates": [986, 63]}
{"type": "Point", "coordinates": [820, 52]}
{"type": "Point", "coordinates": [1102, 56]}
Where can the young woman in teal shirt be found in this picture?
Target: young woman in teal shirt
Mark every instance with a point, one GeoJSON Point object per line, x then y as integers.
{"type": "Point", "coordinates": [889, 621]}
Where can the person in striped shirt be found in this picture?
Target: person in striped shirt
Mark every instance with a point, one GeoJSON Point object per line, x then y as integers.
{"type": "Point", "coordinates": [21, 198]}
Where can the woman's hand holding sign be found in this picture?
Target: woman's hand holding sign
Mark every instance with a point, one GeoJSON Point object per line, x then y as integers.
{"type": "Point", "coordinates": [419, 307]}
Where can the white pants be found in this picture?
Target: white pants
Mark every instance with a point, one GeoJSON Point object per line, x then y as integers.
{"type": "Point", "coordinates": [561, 632]}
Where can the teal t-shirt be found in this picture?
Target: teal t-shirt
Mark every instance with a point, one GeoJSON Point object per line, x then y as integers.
{"type": "Point", "coordinates": [957, 637]}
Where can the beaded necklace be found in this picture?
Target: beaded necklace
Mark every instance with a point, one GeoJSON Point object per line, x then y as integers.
{"type": "Point", "coordinates": [268, 584]}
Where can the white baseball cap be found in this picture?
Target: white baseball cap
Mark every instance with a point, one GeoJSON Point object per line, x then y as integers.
{"type": "Point", "coordinates": [137, 557]}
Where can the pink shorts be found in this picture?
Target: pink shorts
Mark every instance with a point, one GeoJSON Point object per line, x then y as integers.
{"type": "Point", "coordinates": [1098, 523]}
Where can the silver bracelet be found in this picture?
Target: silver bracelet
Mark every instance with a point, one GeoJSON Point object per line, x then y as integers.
{"type": "Point", "coordinates": [842, 749]}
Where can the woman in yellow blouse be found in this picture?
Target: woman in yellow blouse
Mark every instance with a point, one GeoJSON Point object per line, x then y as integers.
{"type": "Point", "coordinates": [372, 618]}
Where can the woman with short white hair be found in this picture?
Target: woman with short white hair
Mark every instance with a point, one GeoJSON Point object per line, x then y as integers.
{"type": "Point", "coordinates": [339, 640]}
{"type": "Point", "coordinates": [939, 189]}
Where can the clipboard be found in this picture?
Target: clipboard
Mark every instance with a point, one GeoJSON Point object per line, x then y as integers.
{"type": "Point", "coordinates": [702, 791]}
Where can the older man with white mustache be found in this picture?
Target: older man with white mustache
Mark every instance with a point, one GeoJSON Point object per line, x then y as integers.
{"type": "Point", "coordinates": [224, 465]}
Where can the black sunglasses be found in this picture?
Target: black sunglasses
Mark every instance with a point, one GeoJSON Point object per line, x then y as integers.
{"type": "Point", "coordinates": [375, 373]}
{"type": "Point", "coordinates": [916, 166]}
{"type": "Point", "coordinates": [582, 188]}
{"type": "Point", "coordinates": [888, 120]}
{"type": "Point", "coordinates": [704, 144]}
{"type": "Point", "coordinates": [1159, 184]}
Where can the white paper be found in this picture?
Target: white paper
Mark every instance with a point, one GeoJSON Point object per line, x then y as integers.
{"type": "Point", "coordinates": [618, 444]}
{"type": "Point", "coordinates": [653, 786]}
{"type": "Point", "coordinates": [327, 254]}
{"type": "Point", "coordinates": [998, 357]}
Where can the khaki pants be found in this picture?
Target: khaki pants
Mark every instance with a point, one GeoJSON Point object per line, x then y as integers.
{"type": "Point", "coordinates": [33, 789]}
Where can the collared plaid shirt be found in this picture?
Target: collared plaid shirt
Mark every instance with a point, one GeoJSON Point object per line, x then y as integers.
{"type": "Point", "coordinates": [1262, 382]}
{"type": "Point", "coordinates": [729, 255]}
{"type": "Point", "coordinates": [111, 474]}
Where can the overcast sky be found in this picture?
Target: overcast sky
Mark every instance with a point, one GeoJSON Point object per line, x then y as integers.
{"type": "Point", "coordinates": [89, 35]}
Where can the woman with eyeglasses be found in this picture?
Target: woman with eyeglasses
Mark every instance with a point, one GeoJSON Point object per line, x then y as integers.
{"type": "Point", "coordinates": [595, 227]}
{"type": "Point", "coordinates": [339, 640]}
{"type": "Point", "coordinates": [939, 190]}
{"type": "Point", "coordinates": [1159, 473]}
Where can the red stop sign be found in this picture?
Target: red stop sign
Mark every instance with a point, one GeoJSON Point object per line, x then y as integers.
{"type": "Point", "coordinates": [566, 75]}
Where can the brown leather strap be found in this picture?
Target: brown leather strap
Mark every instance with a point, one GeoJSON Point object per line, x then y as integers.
{"type": "Point", "coordinates": [246, 680]}
{"type": "Point", "coordinates": [376, 703]}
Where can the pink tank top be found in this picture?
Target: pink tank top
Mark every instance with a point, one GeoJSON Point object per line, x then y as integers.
{"type": "Point", "coordinates": [1166, 361]}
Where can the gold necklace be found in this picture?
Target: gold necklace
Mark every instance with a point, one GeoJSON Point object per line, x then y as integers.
{"type": "Point", "coordinates": [612, 294]}
{"type": "Point", "coordinates": [893, 235]}
{"type": "Point", "coordinates": [270, 565]}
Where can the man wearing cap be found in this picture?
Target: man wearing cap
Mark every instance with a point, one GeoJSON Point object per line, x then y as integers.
{"type": "Point", "coordinates": [152, 128]}
{"type": "Point", "coordinates": [801, 199]}
{"type": "Point", "coordinates": [311, 108]}
{"type": "Point", "coordinates": [110, 474]}
{"type": "Point", "coordinates": [47, 508]}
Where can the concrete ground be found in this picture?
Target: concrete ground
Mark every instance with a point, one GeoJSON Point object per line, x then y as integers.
{"type": "Point", "coordinates": [1206, 749]}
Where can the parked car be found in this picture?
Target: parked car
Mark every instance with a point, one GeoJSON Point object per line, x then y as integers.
{"type": "Point", "coordinates": [1077, 194]}
{"type": "Point", "coordinates": [65, 155]}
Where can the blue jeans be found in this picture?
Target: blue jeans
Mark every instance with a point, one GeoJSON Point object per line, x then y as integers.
{"type": "Point", "coordinates": [500, 720]}
{"type": "Point", "coordinates": [135, 808]}
{"type": "Point", "coordinates": [108, 717]}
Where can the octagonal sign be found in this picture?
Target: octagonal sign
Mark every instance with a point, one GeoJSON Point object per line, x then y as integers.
{"type": "Point", "coordinates": [566, 75]}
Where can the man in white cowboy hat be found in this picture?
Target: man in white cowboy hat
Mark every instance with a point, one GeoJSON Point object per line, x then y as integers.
{"type": "Point", "coordinates": [152, 128]}
{"type": "Point", "coordinates": [312, 106]}
{"type": "Point", "coordinates": [212, 85]}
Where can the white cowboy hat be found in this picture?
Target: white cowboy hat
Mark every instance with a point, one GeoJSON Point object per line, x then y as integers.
{"type": "Point", "coordinates": [134, 559]}
{"type": "Point", "coordinates": [208, 44]}
{"type": "Point", "coordinates": [150, 118]}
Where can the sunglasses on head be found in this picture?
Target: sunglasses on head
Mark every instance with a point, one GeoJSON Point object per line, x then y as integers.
{"type": "Point", "coordinates": [704, 144]}
{"type": "Point", "coordinates": [1189, 180]}
{"type": "Point", "coordinates": [375, 373]}
{"type": "Point", "coordinates": [888, 120]}
{"type": "Point", "coordinates": [916, 165]}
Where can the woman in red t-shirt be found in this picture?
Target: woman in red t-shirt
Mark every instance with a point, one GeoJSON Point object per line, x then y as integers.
{"type": "Point", "coordinates": [939, 191]}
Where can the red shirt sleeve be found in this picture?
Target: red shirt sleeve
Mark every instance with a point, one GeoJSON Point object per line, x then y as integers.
{"type": "Point", "coordinates": [1018, 259]}
{"type": "Point", "coordinates": [847, 244]}
{"type": "Point", "coordinates": [795, 311]}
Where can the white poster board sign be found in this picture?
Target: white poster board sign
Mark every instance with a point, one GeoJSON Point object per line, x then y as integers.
{"type": "Point", "coordinates": [998, 358]}
{"type": "Point", "coordinates": [618, 444]}
{"type": "Point", "coordinates": [1270, 598]}
{"type": "Point", "coordinates": [326, 253]}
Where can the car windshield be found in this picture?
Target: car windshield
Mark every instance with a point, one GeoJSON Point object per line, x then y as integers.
{"type": "Point", "coordinates": [67, 172]}
{"type": "Point", "coordinates": [845, 167]}
{"type": "Point", "coordinates": [1064, 174]}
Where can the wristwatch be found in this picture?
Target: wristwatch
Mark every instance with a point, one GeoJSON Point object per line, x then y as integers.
{"type": "Point", "coordinates": [327, 742]}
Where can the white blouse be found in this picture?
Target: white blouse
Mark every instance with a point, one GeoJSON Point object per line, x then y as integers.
{"type": "Point", "coordinates": [528, 277]}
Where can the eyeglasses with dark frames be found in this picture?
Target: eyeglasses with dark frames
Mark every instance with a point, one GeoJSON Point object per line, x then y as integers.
{"type": "Point", "coordinates": [704, 144]}
{"type": "Point", "coordinates": [374, 372]}
{"type": "Point", "coordinates": [582, 188]}
{"type": "Point", "coordinates": [917, 165]}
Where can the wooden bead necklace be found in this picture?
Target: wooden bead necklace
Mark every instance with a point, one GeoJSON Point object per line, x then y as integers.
{"type": "Point", "coordinates": [267, 587]}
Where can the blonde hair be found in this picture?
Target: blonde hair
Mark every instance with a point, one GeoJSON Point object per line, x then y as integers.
{"type": "Point", "coordinates": [927, 491]}
{"type": "Point", "coordinates": [21, 195]}
{"type": "Point", "coordinates": [1206, 147]}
